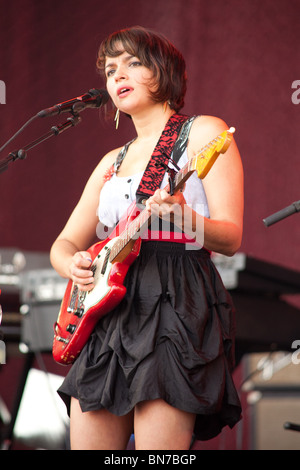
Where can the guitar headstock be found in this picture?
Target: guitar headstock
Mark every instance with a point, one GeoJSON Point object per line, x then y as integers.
{"type": "Point", "coordinates": [205, 159]}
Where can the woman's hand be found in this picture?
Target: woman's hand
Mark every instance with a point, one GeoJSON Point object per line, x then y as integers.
{"type": "Point", "coordinates": [80, 272]}
{"type": "Point", "coordinates": [168, 207]}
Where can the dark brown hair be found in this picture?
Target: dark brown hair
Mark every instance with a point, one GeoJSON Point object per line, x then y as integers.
{"type": "Point", "coordinates": [156, 53]}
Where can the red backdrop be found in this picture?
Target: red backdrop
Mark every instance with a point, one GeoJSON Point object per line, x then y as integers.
{"type": "Point", "coordinates": [242, 58]}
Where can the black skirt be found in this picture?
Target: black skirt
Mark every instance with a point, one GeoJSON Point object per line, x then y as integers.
{"type": "Point", "coordinates": [172, 337]}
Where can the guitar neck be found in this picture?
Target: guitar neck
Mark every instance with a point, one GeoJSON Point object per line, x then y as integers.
{"type": "Point", "coordinates": [183, 175]}
{"type": "Point", "coordinates": [132, 232]}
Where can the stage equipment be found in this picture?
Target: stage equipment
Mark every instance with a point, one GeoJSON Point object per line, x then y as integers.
{"type": "Point", "coordinates": [93, 99]}
{"type": "Point", "coordinates": [266, 321]}
{"type": "Point", "coordinates": [282, 214]}
{"type": "Point", "coordinates": [31, 295]}
{"type": "Point", "coordinates": [272, 389]}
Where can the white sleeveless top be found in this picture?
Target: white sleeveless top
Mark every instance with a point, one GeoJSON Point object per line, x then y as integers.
{"type": "Point", "coordinates": [119, 192]}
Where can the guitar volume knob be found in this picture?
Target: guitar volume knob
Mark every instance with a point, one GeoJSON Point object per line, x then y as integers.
{"type": "Point", "coordinates": [71, 328]}
{"type": "Point", "coordinates": [79, 312]}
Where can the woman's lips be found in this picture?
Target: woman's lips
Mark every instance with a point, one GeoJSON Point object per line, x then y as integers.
{"type": "Point", "coordinates": [124, 91]}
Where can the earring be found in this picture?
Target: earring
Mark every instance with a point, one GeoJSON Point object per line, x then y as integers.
{"type": "Point", "coordinates": [166, 104]}
{"type": "Point", "coordinates": [117, 118]}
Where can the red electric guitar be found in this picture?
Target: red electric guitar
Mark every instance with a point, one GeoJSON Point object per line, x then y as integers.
{"type": "Point", "coordinates": [80, 310]}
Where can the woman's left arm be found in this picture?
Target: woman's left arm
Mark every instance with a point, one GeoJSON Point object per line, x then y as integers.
{"type": "Point", "coordinates": [224, 188]}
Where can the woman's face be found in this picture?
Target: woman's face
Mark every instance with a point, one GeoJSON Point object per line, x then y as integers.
{"type": "Point", "coordinates": [128, 82]}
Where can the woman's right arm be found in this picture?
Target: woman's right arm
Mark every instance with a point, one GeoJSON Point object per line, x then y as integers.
{"type": "Point", "coordinates": [68, 253]}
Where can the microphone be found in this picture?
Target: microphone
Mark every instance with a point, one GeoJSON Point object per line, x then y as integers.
{"type": "Point", "coordinates": [282, 214]}
{"type": "Point", "coordinates": [93, 99]}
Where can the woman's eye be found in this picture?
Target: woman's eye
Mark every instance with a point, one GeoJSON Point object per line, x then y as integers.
{"type": "Point", "coordinates": [136, 63]}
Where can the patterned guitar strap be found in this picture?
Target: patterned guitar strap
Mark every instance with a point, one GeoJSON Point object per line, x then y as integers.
{"type": "Point", "coordinates": [158, 163]}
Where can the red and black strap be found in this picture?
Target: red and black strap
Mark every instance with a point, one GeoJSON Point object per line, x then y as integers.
{"type": "Point", "coordinates": [155, 170]}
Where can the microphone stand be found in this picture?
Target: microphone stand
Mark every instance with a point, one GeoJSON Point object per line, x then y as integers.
{"type": "Point", "coordinates": [282, 214]}
{"type": "Point", "coordinates": [273, 219]}
{"type": "Point", "coordinates": [6, 439]}
{"type": "Point", "coordinates": [21, 154]}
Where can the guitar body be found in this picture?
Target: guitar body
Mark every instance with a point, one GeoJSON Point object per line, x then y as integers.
{"type": "Point", "coordinates": [80, 311]}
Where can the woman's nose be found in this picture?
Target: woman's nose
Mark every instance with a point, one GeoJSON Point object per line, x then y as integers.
{"type": "Point", "coordinates": [120, 73]}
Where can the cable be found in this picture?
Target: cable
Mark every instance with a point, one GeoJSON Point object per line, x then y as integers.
{"type": "Point", "coordinates": [19, 132]}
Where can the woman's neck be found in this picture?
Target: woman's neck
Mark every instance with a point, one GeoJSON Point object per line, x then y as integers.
{"type": "Point", "coordinates": [151, 123]}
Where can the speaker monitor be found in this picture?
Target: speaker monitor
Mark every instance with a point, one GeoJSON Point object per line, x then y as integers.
{"type": "Point", "coordinates": [42, 292]}
{"type": "Point", "coordinates": [273, 399]}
